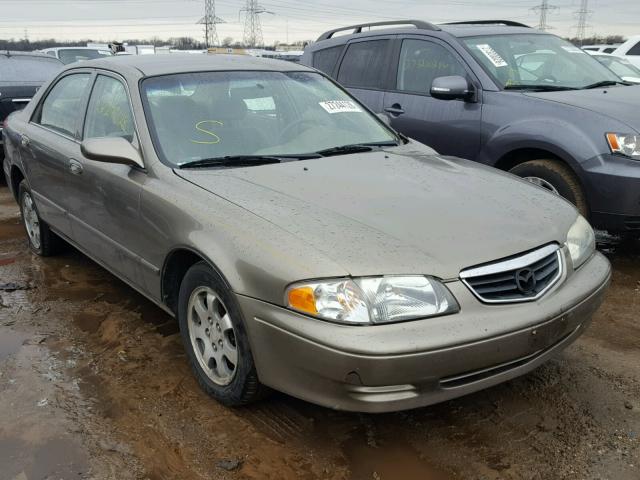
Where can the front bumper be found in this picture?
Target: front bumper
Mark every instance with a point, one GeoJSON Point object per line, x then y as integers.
{"type": "Point", "coordinates": [407, 365]}
{"type": "Point", "coordinates": [612, 185]}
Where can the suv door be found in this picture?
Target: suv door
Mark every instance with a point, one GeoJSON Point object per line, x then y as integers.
{"type": "Point", "coordinates": [104, 197]}
{"type": "Point", "coordinates": [49, 141]}
{"type": "Point", "coordinates": [451, 127]}
{"type": "Point", "coordinates": [364, 70]}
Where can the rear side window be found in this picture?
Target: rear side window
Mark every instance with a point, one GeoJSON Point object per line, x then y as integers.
{"type": "Point", "coordinates": [23, 68]}
{"type": "Point", "coordinates": [109, 113]}
{"type": "Point", "coordinates": [635, 50]}
{"type": "Point", "coordinates": [421, 62]}
{"type": "Point", "coordinates": [61, 109]}
{"type": "Point", "coordinates": [609, 50]}
{"type": "Point", "coordinates": [364, 64]}
{"type": "Point", "coordinates": [325, 60]}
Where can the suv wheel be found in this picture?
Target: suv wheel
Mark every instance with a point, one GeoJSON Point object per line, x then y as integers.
{"type": "Point", "coordinates": [555, 177]}
{"type": "Point", "coordinates": [42, 241]}
{"type": "Point", "coordinates": [215, 339]}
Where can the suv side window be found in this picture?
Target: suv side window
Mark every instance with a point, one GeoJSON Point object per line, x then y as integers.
{"type": "Point", "coordinates": [109, 112]}
{"type": "Point", "coordinates": [61, 109]}
{"type": "Point", "coordinates": [635, 50]}
{"type": "Point", "coordinates": [364, 64]}
{"type": "Point", "coordinates": [421, 62]}
{"type": "Point", "coordinates": [325, 60]}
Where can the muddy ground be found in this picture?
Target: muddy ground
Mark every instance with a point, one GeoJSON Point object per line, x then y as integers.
{"type": "Point", "coordinates": [94, 384]}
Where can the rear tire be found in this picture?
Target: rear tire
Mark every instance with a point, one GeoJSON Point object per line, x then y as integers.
{"type": "Point", "coordinates": [42, 241]}
{"type": "Point", "coordinates": [215, 338]}
{"type": "Point", "coordinates": [555, 177]}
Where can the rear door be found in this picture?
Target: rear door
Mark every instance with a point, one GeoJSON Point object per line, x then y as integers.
{"type": "Point", "coordinates": [451, 127]}
{"type": "Point", "coordinates": [49, 141]}
{"type": "Point", "coordinates": [364, 69]}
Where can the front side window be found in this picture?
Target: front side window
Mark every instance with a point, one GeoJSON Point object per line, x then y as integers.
{"type": "Point", "coordinates": [635, 50]}
{"type": "Point", "coordinates": [109, 112]}
{"type": "Point", "coordinates": [208, 115]}
{"type": "Point", "coordinates": [364, 65]}
{"type": "Point", "coordinates": [421, 62]}
{"type": "Point", "coordinates": [534, 60]}
{"type": "Point", "coordinates": [61, 109]}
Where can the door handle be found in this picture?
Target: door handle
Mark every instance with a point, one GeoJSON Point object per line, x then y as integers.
{"type": "Point", "coordinates": [395, 109]}
{"type": "Point", "coordinates": [75, 166]}
{"type": "Point", "coordinates": [24, 141]}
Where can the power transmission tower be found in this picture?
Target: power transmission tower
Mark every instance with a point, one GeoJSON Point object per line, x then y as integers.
{"type": "Point", "coordinates": [543, 9]}
{"type": "Point", "coordinates": [583, 15]}
{"type": "Point", "coordinates": [210, 20]}
{"type": "Point", "coordinates": [252, 27]}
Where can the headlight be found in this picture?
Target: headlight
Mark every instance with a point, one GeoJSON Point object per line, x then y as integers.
{"type": "Point", "coordinates": [625, 144]}
{"type": "Point", "coordinates": [372, 300]}
{"type": "Point", "coordinates": [581, 241]}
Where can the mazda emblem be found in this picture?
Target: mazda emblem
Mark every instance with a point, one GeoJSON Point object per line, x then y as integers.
{"type": "Point", "coordinates": [526, 280]}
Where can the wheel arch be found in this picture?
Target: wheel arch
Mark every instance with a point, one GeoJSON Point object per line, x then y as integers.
{"type": "Point", "coordinates": [16, 176]}
{"type": "Point", "coordinates": [177, 262]}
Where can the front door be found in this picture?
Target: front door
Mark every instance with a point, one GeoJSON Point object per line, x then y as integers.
{"type": "Point", "coordinates": [104, 197]}
{"type": "Point", "coordinates": [451, 127]}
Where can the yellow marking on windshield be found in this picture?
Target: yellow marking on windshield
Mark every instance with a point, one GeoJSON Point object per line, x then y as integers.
{"type": "Point", "coordinates": [208, 132]}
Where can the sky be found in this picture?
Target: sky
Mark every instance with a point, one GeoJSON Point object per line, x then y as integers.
{"type": "Point", "coordinates": [287, 20]}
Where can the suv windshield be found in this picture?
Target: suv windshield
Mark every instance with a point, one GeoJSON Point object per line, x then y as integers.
{"type": "Point", "coordinates": [213, 115]}
{"type": "Point", "coordinates": [70, 55]}
{"type": "Point", "coordinates": [28, 68]}
{"type": "Point", "coordinates": [537, 60]}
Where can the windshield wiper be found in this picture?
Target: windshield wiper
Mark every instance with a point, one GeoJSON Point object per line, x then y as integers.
{"type": "Point", "coordinates": [539, 88]}
{"type": "Point", "coordinates": [355, 148]}
{"type": "Point", "coordinates": [244, 160]}
{"type": "Point", "coordinates": [604, 83]}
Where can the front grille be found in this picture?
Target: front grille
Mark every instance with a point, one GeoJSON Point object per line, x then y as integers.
{"type": "Point", "coordinates": [516, 279]}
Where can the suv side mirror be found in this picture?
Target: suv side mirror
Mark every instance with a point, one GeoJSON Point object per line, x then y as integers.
{"type": "Point", "coordinates": [452, 88]}
{"type": "Point", "coordinates": [111, 150]}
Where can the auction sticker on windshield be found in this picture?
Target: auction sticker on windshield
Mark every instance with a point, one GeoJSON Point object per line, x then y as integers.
{"type": "Point", "coordinates": [493, 56]}
{"type": "Point", "coordinates": [340, 106]}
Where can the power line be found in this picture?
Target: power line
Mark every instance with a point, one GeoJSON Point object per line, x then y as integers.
{"type": "Point", "coordinates": [583, 15]}
{"type": "Point", "coordinates": [252, 36]}
{"type": "Point", "coordinates": [210, 20]}
{"type": "Point", "coordinates": [543, 10]}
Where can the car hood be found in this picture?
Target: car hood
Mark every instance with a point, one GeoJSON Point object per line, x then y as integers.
{"type": "Point", "coordinates": [406, 212]}
{"type": "Point", "coordinates": [619, 103]}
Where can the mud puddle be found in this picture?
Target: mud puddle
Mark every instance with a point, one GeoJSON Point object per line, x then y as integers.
{"type": "Point", "coordinates": [10, 343]}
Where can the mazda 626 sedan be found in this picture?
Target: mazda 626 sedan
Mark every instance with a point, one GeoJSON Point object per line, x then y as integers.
{"type": "Point", "coordinates": [301, 243]}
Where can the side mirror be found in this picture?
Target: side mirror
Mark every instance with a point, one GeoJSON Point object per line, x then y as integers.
{"type": "Point", "coordinates": [452, 88]}
{"type": "Point", "coordinates": [111, 150]}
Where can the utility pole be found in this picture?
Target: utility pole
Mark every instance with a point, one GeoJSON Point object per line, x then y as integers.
{"type": "Point", "coordinates": [583, 15]}
{"type": "Point", "coordinates": [252, 27]}
{"type": "Point", "coordinates": [210, 20]}
{"type": "Point", "coordinates": [543, 10]}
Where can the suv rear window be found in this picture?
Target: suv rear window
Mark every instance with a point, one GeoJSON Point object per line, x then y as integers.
{"type": "Point", "coordinates": [325, 60]}
{"type": "Point", "coordinates": [24, 68]}
{"type": "Point", "coordinates": [364, 64]}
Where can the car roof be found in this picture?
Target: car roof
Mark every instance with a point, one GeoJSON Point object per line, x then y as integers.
{"type": "Point", "coordinates": [477, 30]}
{"type": "Point", "coordinates": [56, 49]}
{"type": "Point", "coordinates": [152, 65]}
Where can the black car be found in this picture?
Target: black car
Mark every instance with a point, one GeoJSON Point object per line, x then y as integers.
{"type": "Point", "coordinates": [21, 74]}
{"type": "Point", "coordinates": [506, 95]}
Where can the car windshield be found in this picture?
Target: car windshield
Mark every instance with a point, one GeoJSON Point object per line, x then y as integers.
{"type": "Point", "coordinates": [537, 60]}
{"type": "Point", "coordinates": [70, 55]}
{"type": "Point", "coordinates": [213, 115]}
{"type": "Point", "coordinates": [26, 68]}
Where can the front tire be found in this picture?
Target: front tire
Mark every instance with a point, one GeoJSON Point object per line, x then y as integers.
{"type": "Point", "coordinates": [42, 241]}
{"type": "Point", "coordinates": [556, 177]}
{"type": "Point", "coordinates": [215, 339]}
